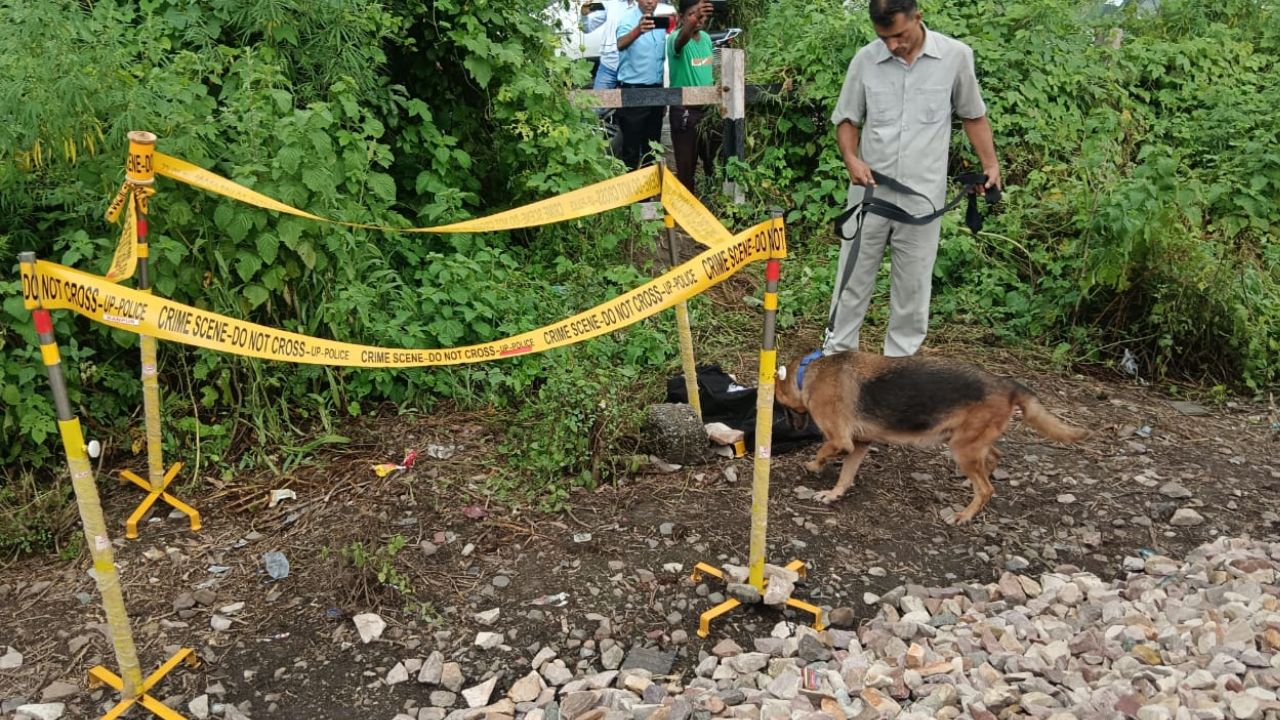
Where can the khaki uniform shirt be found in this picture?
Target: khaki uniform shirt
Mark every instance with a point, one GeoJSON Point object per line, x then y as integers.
{"type": "Point", "coordinates": [904, 112]}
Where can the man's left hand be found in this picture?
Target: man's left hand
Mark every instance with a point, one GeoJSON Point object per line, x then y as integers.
{"type": "Point", "coordinates": [993, 180]}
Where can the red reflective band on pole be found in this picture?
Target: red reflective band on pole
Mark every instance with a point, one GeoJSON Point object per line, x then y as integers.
{"type": "Point", "coordinates": [142, 227]}
{"type": "Point", "coordinates": [773, 270]}
{"type": "Point", "coordinates": [44, 322]}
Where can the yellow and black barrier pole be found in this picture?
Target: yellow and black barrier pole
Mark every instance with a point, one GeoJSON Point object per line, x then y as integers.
{"type": "Point", "coordinates": [129, 682]}
{"type": "Point", "coordinates": [764, 426]}
{"type": "Point", "coordinates": [140, 178]}
{"type": "Point", "coordinates": [687, 361]}
{"type": "Point", "coordinates": [762, 459]}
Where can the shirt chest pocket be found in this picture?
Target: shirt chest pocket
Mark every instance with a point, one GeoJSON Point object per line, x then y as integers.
{"type": "Point", "coordinates": [929, 106]}
{"type": "Point", "coordinates": [884, 106]}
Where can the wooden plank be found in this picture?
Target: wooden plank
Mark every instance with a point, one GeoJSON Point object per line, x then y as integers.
{"type": "Point", "coordinates": [649, 97]}
{"type": "Point", "coordinates": [733, 67]}
{"type": "Point", "coordinates": [643, 97]}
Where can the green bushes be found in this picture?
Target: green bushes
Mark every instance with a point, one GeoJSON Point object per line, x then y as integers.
{"type": "Point", "coordinates": [399, 113]}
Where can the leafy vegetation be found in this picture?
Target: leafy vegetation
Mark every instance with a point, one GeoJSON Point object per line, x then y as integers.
{"type": "Point", "coordinates": [1141, 212]}
{"type": "Point", "coordinates": [366, 572]}
{"type": "Point", "coordinates": [400, 113]}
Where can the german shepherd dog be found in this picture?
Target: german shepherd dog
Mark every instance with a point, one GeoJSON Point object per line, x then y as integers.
{"type": "Point", "coordinates": [858, 398]}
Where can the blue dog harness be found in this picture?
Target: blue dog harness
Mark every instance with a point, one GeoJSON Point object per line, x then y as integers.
{"type": "Point", "coordinates": [804, 363]}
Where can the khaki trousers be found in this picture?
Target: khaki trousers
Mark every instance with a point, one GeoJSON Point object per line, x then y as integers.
{"type": "Point", "coordinates": [913, 251]}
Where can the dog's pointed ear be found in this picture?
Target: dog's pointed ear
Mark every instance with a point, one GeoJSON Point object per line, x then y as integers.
{"type": "Point", "coordinates": [782, 372]}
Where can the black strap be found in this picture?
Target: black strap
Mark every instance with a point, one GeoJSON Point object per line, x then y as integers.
{"type": "Point", "coordinates": [878, 206]}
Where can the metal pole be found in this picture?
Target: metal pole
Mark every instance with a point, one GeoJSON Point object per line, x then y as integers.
{"type": "Point", "coordinates": [140, 172]}
{"type": "Point", "coordinates": [682, 321]}
{"type": "Point", "coordinates": [764, 425]}
{"type": "Point", "coordinates": [140, 179]}
{"type": "Point", "coordinates": [95, 525]}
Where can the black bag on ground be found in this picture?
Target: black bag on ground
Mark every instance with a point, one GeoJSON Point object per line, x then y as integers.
{"type": "Point", "coordinates": [726, 402]}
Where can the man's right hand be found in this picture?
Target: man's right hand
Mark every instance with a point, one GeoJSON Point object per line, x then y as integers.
{"type": "Point", "coordinates": [860, 173]}
{"type": "Point", "coordinates": [646, 24]}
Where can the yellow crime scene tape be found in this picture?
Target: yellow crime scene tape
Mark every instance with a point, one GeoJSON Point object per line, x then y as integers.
{"type": "Point", "coordinates": [599, 197]}
{"type": "Point", "coordinates": [57, 287]}
{"type": "Point", "coordinates": [125, 261]}
{"type": "Point", "coordinates": [130, 199]}
{"type": "Point", "coordinates": [692, 216]}
{"type": "Point", "coordinates": [688, 211]}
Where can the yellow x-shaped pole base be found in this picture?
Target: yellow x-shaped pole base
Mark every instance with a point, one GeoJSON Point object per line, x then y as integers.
{"type": "Point", "coordinates": [704, 620]}
{"type": "Point", "coordinates": [157, 493]}
{"type": "Point", "coordinates": [102, 676]}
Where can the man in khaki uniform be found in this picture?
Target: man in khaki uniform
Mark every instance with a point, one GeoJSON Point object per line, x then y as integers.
{"type": "Point", "coordinates": [895, 107]}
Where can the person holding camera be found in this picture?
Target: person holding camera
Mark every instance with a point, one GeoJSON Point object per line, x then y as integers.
{"type": "Point", "coordinates": [607, 13]}
{"type": "Point", "coordinates": [689, 60]}
{"type": "Point", "coordinates": [894, 117]}
{"type": "Point", "coordinates": [641, 52]}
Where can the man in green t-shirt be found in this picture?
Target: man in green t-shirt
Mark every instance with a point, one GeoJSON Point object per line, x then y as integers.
{"type": "Point", "coordinates": [689, 58]}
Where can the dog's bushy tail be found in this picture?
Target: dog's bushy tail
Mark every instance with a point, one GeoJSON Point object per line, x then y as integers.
{"type": "Point", "coordinates": [1045, 422]}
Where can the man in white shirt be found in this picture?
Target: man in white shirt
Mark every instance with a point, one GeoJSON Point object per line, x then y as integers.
{"type": "Point", "coordinates": [607, 72]}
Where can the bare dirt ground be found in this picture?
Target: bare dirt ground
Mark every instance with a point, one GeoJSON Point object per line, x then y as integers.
{"type": "Point", "coordinates": [621, 555]}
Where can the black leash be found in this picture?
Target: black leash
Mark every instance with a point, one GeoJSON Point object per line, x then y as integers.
{"type": "Point", "coordinates": [884, 208]}
{"type": "Point", "coordinates": [879, 206]}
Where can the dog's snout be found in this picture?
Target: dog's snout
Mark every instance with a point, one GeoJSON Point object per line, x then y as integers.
{"type": "Point", "coordinates": [798, 420]}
